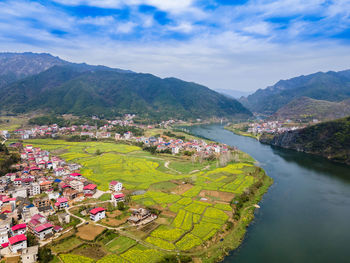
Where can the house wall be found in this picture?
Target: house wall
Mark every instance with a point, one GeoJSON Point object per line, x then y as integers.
{"type": "Point", "coordinates": [20, 245]}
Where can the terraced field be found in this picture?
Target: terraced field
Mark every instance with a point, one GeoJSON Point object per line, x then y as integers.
{"type": "Point", "coordinates": [194, 206]}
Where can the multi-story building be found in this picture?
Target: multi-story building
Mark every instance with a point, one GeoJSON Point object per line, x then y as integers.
{"type": "Point", "coordinates": [19, 229]}
{"type": "Point", "coordinates": [90, 189]}
{"type": "Point", "coordinates": [40, 227]}
{"type": "Point", "coordinates": [17, 243]}
{"type": "Point", "coordinates": [115, 186]}
{"type": "Point", "coordinates": [34, 189]}
{"type": "Point", "coordinates": [97, 214]}
{"type": "Point", "coordinates": [61, 203]}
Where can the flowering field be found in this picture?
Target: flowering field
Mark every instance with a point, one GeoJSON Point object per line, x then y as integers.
{"type": "Point", "coordinates": [197, 205]}
{"type": "Point", "coordinates": [112, 259]}
{"type": "Point", "coordinates": [168, 233]}
{"type": "Point", "coordinates": [141, 254]}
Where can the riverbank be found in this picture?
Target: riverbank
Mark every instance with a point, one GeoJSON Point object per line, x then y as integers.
{"type": "Point", "coordinates": [196, 200]}
{"type": "Point", "coordinates": [233, 238]}
{"type": "Point", "coordinates": [292, 220]}
{"type": "Point", "coordinates": [330, 140]}
{"type": "Point", "coordinates": [242, 133]}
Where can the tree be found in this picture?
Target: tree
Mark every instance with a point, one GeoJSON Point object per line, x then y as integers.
{"type": "Point", "coordinates": [98, 152]}
{"type": "Point", "coordinates": [176, 259]}
{"type": "Point", "coordinates": [31, 239]}
{"type": "Point", "coordinates": [45, 255]}
{"type": "Point", "coordinates": [121, 206]}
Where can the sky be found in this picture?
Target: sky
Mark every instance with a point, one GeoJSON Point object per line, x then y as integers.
{"type": "Point", "coordinates": [239, 44]}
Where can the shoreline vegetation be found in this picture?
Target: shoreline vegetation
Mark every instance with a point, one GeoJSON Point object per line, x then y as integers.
{"type": "Point", "coordinates": [330, 139]}
{"type": "Point", "coordinates": [165, 189]}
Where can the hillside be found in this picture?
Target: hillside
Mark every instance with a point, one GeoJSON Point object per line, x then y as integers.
{"type": "Point", "coordinates": [328, 139]}
{"type": "Point", "coordinates": [306, 109]}
{"type": "Point", "coordinates": [98, 90]}
{"type": "Point", "coordinates": [15, 66]}
{"type": "Point", "coordinates": [330, 86]}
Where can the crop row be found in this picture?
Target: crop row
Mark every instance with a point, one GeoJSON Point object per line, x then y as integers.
{"type": "Point", "coordinates": [188, 241]}
{"type": "Point", "coordinates": [160, 243]}
{"type": "Point", "coordinates": [168, 233]}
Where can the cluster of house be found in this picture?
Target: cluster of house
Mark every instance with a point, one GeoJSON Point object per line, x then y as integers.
{"type": "Point", "coordinates": [176, 145]}
{"type": "Point", "coordinates": [272, 127]}
{"type": "Point", "coordinates": [42, 186]}
{"type": "Point", "coordinates": [83, 130]}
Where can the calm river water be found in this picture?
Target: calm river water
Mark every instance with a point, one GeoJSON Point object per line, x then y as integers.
{"type": "Point", "coordinates": [305, 216]}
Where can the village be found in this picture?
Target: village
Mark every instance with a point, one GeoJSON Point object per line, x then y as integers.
{"type": "Point", "coordinates": [273, 127]}
{"type": "Point", "coordinates": [163, 142]}
{"type": "Point", "coordinates": [45, 185]}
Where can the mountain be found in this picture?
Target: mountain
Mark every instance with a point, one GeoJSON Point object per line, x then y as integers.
{"type": "Point", "coordinates": [17, 66]}
{"type": "Point", "coordinates": [91, 90]}
{"type": "Point", "coordinates": [328, 139]}
{"type": "Point", "coordinates": [306, 109]}
{"type": "Point", "coordinates": [330, 86]}
{"type": "Point", "coordinates": [236, 94]}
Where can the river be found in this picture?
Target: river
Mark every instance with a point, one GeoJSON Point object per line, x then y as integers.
{"type": "Point", "coordinates": [304, 217]}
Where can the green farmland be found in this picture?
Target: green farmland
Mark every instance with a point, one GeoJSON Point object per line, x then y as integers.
{"type": "Point", "coordinates": [196, 208]}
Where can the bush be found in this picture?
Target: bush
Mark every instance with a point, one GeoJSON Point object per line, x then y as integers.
{"type": "Point", "coordinates": [45, 255]}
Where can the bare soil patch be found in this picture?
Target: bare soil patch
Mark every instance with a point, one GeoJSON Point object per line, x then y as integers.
{"type": "Point", "coordinates": [223, 196]}
{"type": "Point", "coordinates": [89, 232]}
{"type": "Point", "coordinates": [182, 188]}
{"type": "Point", "coordinates": [114, 222]}
{"type": "Point", "coordinates": [114, 213]}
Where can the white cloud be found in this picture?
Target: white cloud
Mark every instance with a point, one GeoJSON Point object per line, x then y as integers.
{"type": "Point", "coordinates": [218, 54]}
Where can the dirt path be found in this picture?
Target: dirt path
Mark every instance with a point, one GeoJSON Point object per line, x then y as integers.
{"type": "Point", "coordinates": [166, 165]}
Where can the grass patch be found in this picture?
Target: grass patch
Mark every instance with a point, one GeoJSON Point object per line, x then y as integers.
{"type": "Point", "coordinates": [120, 244]}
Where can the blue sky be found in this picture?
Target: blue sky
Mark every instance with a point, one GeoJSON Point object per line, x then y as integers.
{"type": "Point", "coordinates": [224, 44]}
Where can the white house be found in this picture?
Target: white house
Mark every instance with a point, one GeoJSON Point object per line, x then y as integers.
{"type": "Point", "coordinates": [43, 231]}
{"type": "Point", "coordinates": [61, 203]}
{"type": "Point", "coordinates": [115, 186]}
{"type": "Point", "coordinates": [97, 214]}
{"type": "Point", "coordinates": [59, 172]}
{"type": "Point", "coordinates": [30, 254]}
{"type": "Point", "coordinates": [19, 229]}
{"type": "Point", "coordinates": [18, 242]}
{"type": "Point", "coordinates": [117, 198]}
{"type": "Point", "coordinates": [34, 189]}
{"type": "Point", "coordinates": [4, 228]}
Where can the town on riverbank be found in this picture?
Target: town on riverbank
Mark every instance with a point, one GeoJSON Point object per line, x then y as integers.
{"type": "Point", "coordinates": [124, 192]}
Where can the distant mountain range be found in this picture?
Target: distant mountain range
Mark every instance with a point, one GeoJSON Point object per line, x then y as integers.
{"type": "Point", "coordinates": [328, 139]}
{"type": "Point", "coordinates": [41, 82]}
{"type": "Point", "coordinates": [331, 86]}
{"type": "Point", "coordinates": [306, 109]}
{"type": "Point", "coordinates": [236, 94]}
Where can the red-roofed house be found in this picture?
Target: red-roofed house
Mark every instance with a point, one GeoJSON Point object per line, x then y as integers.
{"type": "Point", "coordinates": [18, 242]}
{"type": "Point", "coordinates": [61, 203]}
{"type": "Point", "coordinates": [40, 227]}
{"type": "Point", "coordinates": [19, 229]}
{"type": "Point", "coordinates": [117, 198]}
{"type": "Point", "coordinates": [115, 186]}
{"type": "Point", "coordinates": [90, 189]}
{"type": "Point", "coordinates": [17, 182]}
{"type": "Point", "coordinates": [75, 175]}
{"type": "Point", "coordinates": [97, 214]}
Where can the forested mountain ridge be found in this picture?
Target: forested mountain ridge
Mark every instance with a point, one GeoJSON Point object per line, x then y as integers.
{"type": "Point", "coordinates": [329, 86]}
{"type": "Point", "coordinates": [81, 89]}
{"type": "Point", "coordinates": [307, 109]}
